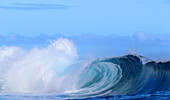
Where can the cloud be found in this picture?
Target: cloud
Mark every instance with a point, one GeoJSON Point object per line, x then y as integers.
{"type": "Point", "coordinates": [149, 45]}
{"type": "Point", "coordinates": [157, 39]}
{"type": "Point", "coordinates": [30, 6]}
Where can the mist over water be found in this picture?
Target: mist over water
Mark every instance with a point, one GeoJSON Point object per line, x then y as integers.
{"type": "Point", "coordinates": [37, 70]}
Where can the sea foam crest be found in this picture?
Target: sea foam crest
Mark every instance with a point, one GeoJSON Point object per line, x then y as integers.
{"type": "Point", "coordinates": [36, 70]}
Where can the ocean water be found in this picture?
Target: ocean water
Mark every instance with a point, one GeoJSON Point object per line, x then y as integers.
{"type": "Point", "coordinates": [57, 72]}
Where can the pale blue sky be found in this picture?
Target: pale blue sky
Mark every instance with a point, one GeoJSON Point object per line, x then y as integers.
{"type": "Point", "coordinates": [74, 17]}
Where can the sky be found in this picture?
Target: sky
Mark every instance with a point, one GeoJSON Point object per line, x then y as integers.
{"type": "Point", "coordinates": [76, 17]}
{"type": "Point", "coordinates": [96, 27]}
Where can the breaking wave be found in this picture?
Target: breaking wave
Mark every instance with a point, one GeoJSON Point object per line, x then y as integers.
{"type": "Point", "coordinates": [58, 72]}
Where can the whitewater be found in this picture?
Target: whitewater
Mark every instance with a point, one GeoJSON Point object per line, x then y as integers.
{"type": "Point", "coordinates": [57, 72]}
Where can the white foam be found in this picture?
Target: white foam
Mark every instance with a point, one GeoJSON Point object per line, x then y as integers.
{"type": "Point", "coordinates": [37, 70]}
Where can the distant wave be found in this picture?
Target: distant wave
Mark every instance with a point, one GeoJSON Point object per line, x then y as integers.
{"type": "Point", "coordinates": [57, 72]}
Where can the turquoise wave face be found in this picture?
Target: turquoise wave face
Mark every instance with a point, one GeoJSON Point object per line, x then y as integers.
{"type": "Point", "coordinates": [127, 75]}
